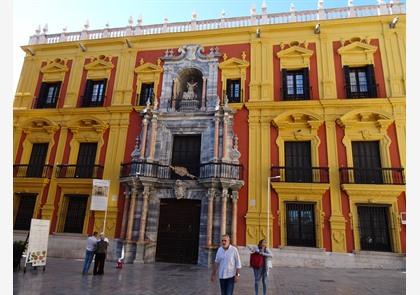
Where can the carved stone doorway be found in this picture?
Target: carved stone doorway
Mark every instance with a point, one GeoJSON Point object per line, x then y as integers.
{"type": "Point", "coordinates": [178, 233]}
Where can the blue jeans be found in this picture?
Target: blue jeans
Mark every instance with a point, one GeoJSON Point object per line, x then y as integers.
{"type": "Point", "coordinates": [260, 273]}
{"type": "Point", "coordinates": [88, 261]}
{"type": "Point", "coordinates": [226, 286]}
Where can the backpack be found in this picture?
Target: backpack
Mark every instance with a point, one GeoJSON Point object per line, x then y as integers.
{"type": "Point", "coordinates": [256, 260]}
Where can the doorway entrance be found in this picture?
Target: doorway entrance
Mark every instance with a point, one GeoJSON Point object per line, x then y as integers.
{"type": "Point", "coordinates": [178, 233]}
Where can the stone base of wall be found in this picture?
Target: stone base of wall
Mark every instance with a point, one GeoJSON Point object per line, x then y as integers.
{"type": "Point", "coordinates": [74, 247]}
{"type": "Point", "coordinates": [319, 258]}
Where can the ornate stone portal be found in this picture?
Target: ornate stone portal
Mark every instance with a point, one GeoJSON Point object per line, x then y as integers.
{"type": "Point", "coordinates": [189, 105]}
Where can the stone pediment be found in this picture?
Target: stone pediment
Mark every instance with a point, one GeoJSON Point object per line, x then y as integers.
{"type": "Point", "coordinates": [357, 54]}
{"type": "Point", "coordinates": [100, 63]}
{"type": "Point", "coordinates": [148, 68]}
{"type": "Point", "coordinates": [233, 63]}
{"type": "Point", "coordinates": [367, 116]}
{"type": "Point", "coordinates": [294, 57]}
{"type": "Point", "coordinates": [191, 52]}
{"type": "Point", "coordinates": [54, 66]}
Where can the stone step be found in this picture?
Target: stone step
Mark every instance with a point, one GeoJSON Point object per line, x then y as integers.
{"type": "Point", "coordinates": [319, 258]}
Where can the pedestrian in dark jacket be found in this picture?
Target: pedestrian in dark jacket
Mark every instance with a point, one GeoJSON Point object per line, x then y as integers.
{"type": "Point", "coordinates": [100, 255]}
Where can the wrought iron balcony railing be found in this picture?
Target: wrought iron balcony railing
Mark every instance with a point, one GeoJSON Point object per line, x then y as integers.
{"type": "Point", "coordinates": [42, 171]}
{"type": "Point", "coordinates": [79, 171]}
{"type": "Point", "coordinates": [301, 174]}
{"type": "Point", "coordinates": [221, 170]}
{"type": "Point", "coordinates": [145, 169]}
{"type": "Point", "coordinates": [372, 176]}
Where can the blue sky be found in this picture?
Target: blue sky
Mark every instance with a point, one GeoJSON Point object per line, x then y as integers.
{"type": "Point", "coordinates": [28, 14]}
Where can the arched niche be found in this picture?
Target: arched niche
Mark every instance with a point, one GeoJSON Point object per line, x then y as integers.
{"type": "Point", "coordinates": [191, 75]}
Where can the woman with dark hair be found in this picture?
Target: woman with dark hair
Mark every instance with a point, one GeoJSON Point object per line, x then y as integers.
{"type": "Point", "coordinates": [261, 273]}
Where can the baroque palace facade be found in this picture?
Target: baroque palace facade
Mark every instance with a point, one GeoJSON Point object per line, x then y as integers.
{"type": "Point", "coordinates": [288, 127]}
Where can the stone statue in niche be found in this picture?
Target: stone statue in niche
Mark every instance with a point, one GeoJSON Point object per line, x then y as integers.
{"type": "Point", "coordinates": [190, 94]}
{"type": "Point", "coordinates": [180, 189]}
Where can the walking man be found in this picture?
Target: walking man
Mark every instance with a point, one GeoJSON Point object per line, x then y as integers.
{"type": "Point", "coordinates": [90, 250]}
{"type": "Point", "coordinates": [100, 255]}
{"type": "Point", "coordinates": [228, 263]}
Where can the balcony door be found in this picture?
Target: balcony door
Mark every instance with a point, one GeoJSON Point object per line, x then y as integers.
{"type": "Point", "coordinates": [300, 224]}
{"type": "Point", "coordinates": [298, 162]}
{"type": "Point", "coordinates": [75, 215]}
{"type": "Point", "coordinates": [186, 153]}
{"type": "Point", "coordinates": [25, 211]}
{"type": "Point", "coordinates": [86, 160]}
{"type": "Point", "coordinates": [373, 227]}
{"type": "Point", "coordinates": [37, 160]}
{"type": "Point", "coordinates": [367, 162]}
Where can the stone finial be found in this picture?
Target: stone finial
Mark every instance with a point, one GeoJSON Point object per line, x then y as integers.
{"type": "Point", "coordinates": [107, 25]}
{"type": "Point", "coordinates": [158, 61]}
{"type": "Point", "coordinates": [225, 56]}
{"type": "Point", "coordinates": [86, 25]}
{"type": "Point", "coordinates": [350, 3]}
{"type": "Point", "coordinates": [141, 61]}
{"type": "Point", "coordinates": [264, 5]}
{"type": "Point", "coordinates": [38, 30]}
{"type": "Point", "coordinates": [243, 55]}
{"type": "Point", "coordinates": [222, 14]}
{"type": "Point", "coordinates": [65, 29]}
{"type": "Point", "coordinates": [253, 10]}
{"type": "Point", "coordinates": [292, 7]}
{"type": "Point", "coordinates": [320, 4]}
{"type": "Point", "coordinates": [165, 20]}
{"type": "Point", "coordinates": [130, 21]}
{"type": "Point", "coordinates": [139, 20]}
{"type": "Point", "coordinates": [194, 15]}
{"type": "Point", "coordinates": [45, 29]}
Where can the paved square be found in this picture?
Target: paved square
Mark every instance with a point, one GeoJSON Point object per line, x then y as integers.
{"type": "Point", "coordinates": [63, 276]}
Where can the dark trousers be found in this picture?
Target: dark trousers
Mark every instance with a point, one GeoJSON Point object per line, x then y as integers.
{"type": "Point", "coordinates": [226, 286]}
{"type": "Point", "coordinates": [98, 267]}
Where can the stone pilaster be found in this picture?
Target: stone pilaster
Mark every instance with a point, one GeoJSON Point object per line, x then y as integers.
{"type": "Point", "coordinates": [235, 198]}
{"type": "Point", "coordinates": [211, 193]}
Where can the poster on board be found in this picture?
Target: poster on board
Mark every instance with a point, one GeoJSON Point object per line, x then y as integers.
{"type": "Point", "coordinates": [38, 242]}
{"type": "Point", "coordinates": [100, 191]}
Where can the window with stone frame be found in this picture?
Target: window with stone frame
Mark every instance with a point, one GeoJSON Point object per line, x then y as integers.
{"type": "Point", "coordinates": [360, 82]}
{"type": "Point", "coordinates": [296, 84]}
{"type": "Point", "coordinates": [233, 90]}
{"type": "Point", "coordinates": [146, 94]}
{"type": "Point", "coordinates": [94, 95]}
{"type": "Point", "coordinates": [186, 150]}
{"type": "Point", "coordinates": [48, 95]}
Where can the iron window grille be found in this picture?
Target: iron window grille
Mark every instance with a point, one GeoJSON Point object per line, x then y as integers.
{"type": "Point", "coordinates": [233, 89]}
{"type": "Point", "coordinates": [146, 94]}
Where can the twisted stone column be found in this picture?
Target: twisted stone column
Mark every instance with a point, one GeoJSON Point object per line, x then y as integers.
{"type": "Point", "coordinates": [144, 137]}
{"type": "Point", "coordinates": [146, 194]}
{"type": "Point", "coordinates": [153, 138]}
{"type": "Point", "coordinates": [234, 216]}
{"type": "Point", "coordinates": [223, 215]}
{"type": "Point", "coordinates": [211, 194]}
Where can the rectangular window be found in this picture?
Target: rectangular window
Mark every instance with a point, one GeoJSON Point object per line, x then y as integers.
{"type": "Point", "coordinates": [48, 95]}
{"type": "Point", "coordinates": [367, 162]}
{"type": "Point", "coordinates": [233, 90]}
{"type": "Point", "coordinates": [298, 163]}
{"type": "Point", "coordinates": [75, 214]}
{"type": "Point", "coordinates": [94, 93]}
{"type": "Point", "coordinates": [360, 82]}
{"type": "Point", "coordinates": [146, 93]}
{"type": "Point", "coordinates": [37, 160]}
{"type": "Point", "coordinates": [86, 160]}
{"type": "Point", "coordinates": [296, 84]}
{"type": "Point", "coordinates": [186, 153]}
{"type": "Point", "coordinates": [25, 211]}
{"type": "Point", "coordinates": [373, 227]}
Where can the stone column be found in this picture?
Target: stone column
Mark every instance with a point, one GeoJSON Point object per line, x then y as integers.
{"type": "Point", "coordinates": [211, 193]}
{"type": "Point", "coordinates": [173, 92]}
{"type": "Point", "coordinates": [234, 214]}
{"type": "Point", "coordinates": [203, 94]}
{"type": "Point", "coordinates": [223, 215]}
{"type": "Point", "coordinates": [225, 136]}
{"type": "Point", "coordinates": [216, 137]}
{"type": "Point", "coordinates": [144, 137]}
{"type": "Point", "coordinates": [130, 222]}
{"type": "Point", "coordinates": [153, 138]}
{"type": "Point", "coordinates": [143, 220]}
{"type": "Point", "coordinates": [124, 219]}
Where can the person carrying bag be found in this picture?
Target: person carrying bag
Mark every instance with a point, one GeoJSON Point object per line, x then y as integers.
{"type": "Point", "coordinates": [261, 263]}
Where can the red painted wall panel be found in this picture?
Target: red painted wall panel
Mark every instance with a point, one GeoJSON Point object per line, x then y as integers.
{"type": "Point", "coordinates": [134, 129]}
{"type": "Point", "coordinates": [274, 156]}
{"type": "Point", "coordinates": [110, 83]}
{"type": "Point", "coordinates": [240, 128]}
{"type": "Point", "coordinates": [339, 74]}
{"type": "Point", "coordinates": [326, 232]}
{"type": "Point", "coordinates": [102, 154]}
{"type": "Point", "coordinates": [20, 148]}
{"type": "Point", "coordinates": [393, 148]}
{"type": "Point", "coordinates": [402, 208]}
{"type": "Point", "coordinates": [379, 72]}
{"type": "Point", "coordinates": [82, 83]}
{"type": "Point", "coordinates": [66, 153]}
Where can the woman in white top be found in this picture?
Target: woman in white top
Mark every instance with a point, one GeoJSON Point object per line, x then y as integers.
{"type": "Point", "coordinates": [262, 272]}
